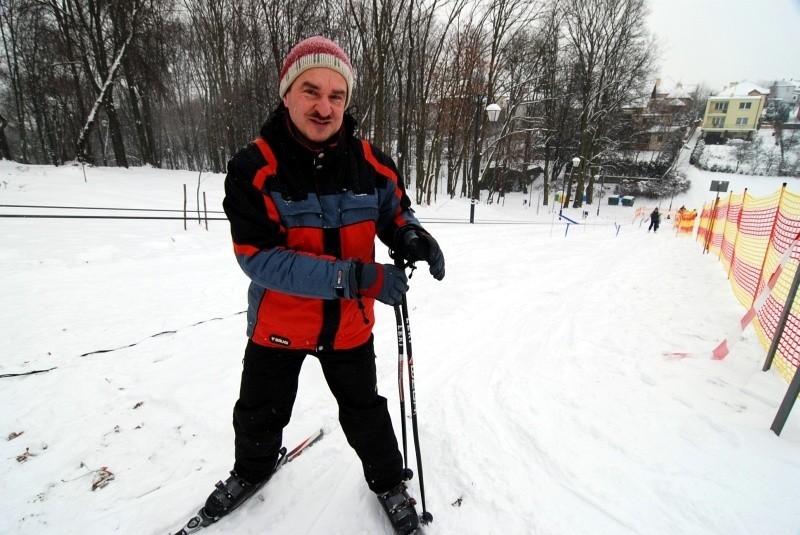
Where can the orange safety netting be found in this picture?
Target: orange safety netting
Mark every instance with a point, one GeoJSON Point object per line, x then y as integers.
{"type": "Point", "coordinates": [684, 221]}
{"type": "Point", "coordinates": [749, 235]}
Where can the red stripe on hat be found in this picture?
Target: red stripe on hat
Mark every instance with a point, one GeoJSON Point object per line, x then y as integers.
{"type": "Point", "coordinates": [314, 45]}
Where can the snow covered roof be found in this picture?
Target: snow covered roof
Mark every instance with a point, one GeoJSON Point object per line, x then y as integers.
{"type": "Point", "coordinates": [639, 103]}
{"type": "Point", "coordinates": [661, 129]}
{"type": "Point", "coordinates": [742, 89]}
{"type": "Point", "coordinates": [668, 88]}
{"type": "Point", "coordinates": [785, 83]}
{"type": "Point", "coordinates": [675, 101]}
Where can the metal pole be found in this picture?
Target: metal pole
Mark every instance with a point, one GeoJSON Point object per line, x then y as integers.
{"type": "Point", "coordinates": [787, 309]}
{"type": "Point", "coordinates": [600, 193]}
{"type": "Point", "coordinates": [565, 199]}
{"type": "Point", "coordinates": [672, 199]}
{"type": "Point", "coordinates": [794, 387]}
{"type": "Point", "coordinates": [786, 405]}
{"type": "Point", "coordinates": [476, 191]}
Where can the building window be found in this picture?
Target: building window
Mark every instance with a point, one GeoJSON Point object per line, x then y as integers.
{"type": "Point", "coordinates": [741, 121]}
{"type": "Point", "coordinates": [718, 122]}
{"type": "Point", "coordinates": [745, 105]}
{"type": "Point", "coordinates": [721, 106]}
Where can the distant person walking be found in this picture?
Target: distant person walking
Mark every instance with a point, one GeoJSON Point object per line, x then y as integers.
{"type": "Point", "coordinates": [655, 220]}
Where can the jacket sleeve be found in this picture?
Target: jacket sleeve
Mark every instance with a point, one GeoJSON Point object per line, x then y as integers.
{"type": "Point", "coordinates": [259, 238]}
{"type": "Point", "coordinates": [394, 206]}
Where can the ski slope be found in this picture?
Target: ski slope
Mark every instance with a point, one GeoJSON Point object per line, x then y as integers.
{"type": "Point", "coordinates": [546, 404]}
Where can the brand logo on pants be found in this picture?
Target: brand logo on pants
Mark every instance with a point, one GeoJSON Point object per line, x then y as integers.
{"type": "Point", "coordinates": [275, 339]}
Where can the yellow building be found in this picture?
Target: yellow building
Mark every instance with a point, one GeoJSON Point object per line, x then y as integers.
{"type": "Point", "coordinates": [734, 113]}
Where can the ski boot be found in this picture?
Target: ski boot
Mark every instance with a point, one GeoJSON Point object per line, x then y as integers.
{"type": "Point", "coordinates": [399, 506]}
{"type": "Point", "coordinates": [229, 495]}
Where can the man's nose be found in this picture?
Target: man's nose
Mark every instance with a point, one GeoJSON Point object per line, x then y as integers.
{"type": "Point", "coordinates": [323, 107]}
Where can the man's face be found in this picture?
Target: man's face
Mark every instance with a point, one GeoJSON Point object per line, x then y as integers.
{"type": "Point", "coordinates": [316, 101]}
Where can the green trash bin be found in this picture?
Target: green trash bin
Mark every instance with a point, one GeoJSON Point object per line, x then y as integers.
{"type": "Point", "coordinates": [627, 200]}
{"type": "Point", "coordinates": [613, 200]}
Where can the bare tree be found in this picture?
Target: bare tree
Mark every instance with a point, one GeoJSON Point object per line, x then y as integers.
{"type": "Point", "coordinates": [376, 22]}
{"type": "Point", "coordinates": [184, 83]}
{"type": "Point", "coordinates": [12, 32]}
{"type": "Point", "coordinates": [5, 151]}
{"type": "Point", "coordinates": [612, 55]}
{"type": "Point", "coordinates": [97, 23]}
{"type": "Point", "coordinates": [429, 31]}
{"type": "Point", "coordinates": [556, 90]}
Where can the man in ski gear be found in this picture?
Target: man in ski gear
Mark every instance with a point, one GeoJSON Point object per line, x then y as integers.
{"type": "Point", "coordinates": [655, 220]}
{"type": "Point", "coordinates": [306, 200]}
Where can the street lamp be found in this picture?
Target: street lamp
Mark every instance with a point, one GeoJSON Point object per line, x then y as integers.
{"type": "Point", "coordinates": [492, 111]}
{"type": "Point", "coordinates": [576, 161]}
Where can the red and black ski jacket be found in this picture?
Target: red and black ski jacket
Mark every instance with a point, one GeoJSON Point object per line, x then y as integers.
{"type": "Point", "coordinates": [299, 217]}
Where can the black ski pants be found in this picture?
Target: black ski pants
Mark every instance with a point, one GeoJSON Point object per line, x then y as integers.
{"type": "Point", "coordinates": [266, 396]}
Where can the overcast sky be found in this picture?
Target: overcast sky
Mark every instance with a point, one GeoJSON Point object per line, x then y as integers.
{"type": "Point", "coordinates": [721, 41]}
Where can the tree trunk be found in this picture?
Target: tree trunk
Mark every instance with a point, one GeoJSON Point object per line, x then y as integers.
{"type": "Point", "coordinates": [114, 129]}
{"type": "Point", "coordinates": [134, 101]}
{"type": "Point", "coordinates": [5, 152]}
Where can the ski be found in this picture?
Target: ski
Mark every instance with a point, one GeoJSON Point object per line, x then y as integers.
{"type": "Point", "coordinates": [201, 520]}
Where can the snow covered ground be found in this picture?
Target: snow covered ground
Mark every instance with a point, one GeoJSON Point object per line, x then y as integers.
{"type": "Point", "coordinates": [546, 404]}
{"type": "Point", "coordinates": [759, 157]}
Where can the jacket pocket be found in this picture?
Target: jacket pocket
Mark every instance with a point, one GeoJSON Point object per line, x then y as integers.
{"type": "Point", "coordinates": [303, 213]}
{"type": "Point", "coordinates": [289, 321]}
{"type": "Point", "coordinates": [358, 207]}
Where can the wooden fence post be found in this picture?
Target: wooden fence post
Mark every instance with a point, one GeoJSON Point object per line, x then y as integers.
{"type": "Point", "coordinates": [205, 210]}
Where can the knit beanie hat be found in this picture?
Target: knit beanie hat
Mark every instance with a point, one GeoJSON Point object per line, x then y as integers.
{"type": "Point", "coordinates": [313, 52]}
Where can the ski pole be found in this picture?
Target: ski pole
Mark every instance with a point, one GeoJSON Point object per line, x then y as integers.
{"type": "Point", "coordinates": [398, 319]}
{"type": "Point", "coordinates": [426, 516]}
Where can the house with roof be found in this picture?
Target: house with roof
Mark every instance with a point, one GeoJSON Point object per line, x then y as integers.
{"type": "Point", "coordinates": [784, 97]}
{"type": "Point", "coordinates": [734, 113]}
{"type": "Point", "coordinates": [665, 114]}
{"type": "Point", "coordinates": [787, 91]}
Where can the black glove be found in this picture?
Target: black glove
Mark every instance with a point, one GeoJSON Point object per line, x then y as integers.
{"type": "Point", "coordinates": [416, 244]}
{"type": "Point", "coordinates": [384, 282]}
